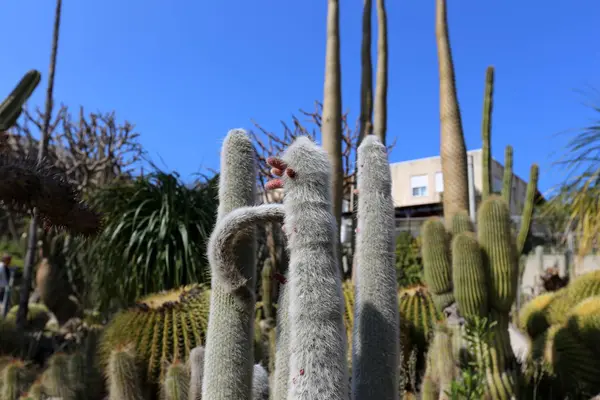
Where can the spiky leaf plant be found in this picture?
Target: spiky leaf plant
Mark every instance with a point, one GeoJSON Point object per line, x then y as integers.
{"type": "Point", "coordinates": [162, 327]}
{"type": "Point", "coordinates": [156, 229]}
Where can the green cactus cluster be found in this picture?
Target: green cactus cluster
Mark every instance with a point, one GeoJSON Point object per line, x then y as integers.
{"type": "Point", "coordinates": [507, 181]}
{"type": "Point", "coordinates": [162, 327]}
{"type": "Point", "coordinates": [563, 328]}
{"type": "Point", "coordinates": [474, 276]}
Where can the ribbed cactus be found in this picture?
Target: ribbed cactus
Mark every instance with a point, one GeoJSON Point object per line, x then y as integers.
{"type": "Point", "coordinates": [418, 313]}
{"type": "Point", "coordinates": [507, 180]}
{"type": "Point", "coordinates": [569, 348]}
{"type": "Point", "coordinates": [375, 338]}
{"type": "Point", "coordinates": [483, 273]}
{"type": "Point", "coordinates": [317, 346]}
{"type": "Point", "coordinates": [12, 106]}
{"type": "Point", "coordinates": [123, 375]}
{"type": "Point", "coordinates": [161, 327]}
{"type": "Point", "coordinates": [442, 365]}
{"type": "Point", "coordinates": [57, 380]}
{"type": "Point", "coordinates": [14, 379]}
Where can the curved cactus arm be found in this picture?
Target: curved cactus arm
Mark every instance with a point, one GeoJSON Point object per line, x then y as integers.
{"type": "Point", "coordinates": [12, 106]}
{"type": "Point", "coordinates": [375, 348]}
{"type": "Point", "coordinates": [229, 340]}
{"type": "Point", "coordinates": [318, 364]}
{"type": "Point", "coordinates": [468, 275]}
{"type": "Point", "coordinates": [527, 216]}
{"type": "Point", "coordinates": [222, 250]}
{"type": "Point", "coordinates": [496, 241]}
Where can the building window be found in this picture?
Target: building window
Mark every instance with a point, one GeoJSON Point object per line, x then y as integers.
{"type": "Point", "coordinates": [418, 184]}
{"type": "Point", "coordinates": [497, 185]}
{"type": "Point", "coordinates": [439, 182]}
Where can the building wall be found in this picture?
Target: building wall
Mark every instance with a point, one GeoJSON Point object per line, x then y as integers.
{"type": "Point", "coordinates": [426, 169]}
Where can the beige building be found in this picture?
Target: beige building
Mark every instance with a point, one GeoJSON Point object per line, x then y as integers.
{"type": "Point", "coordinates": [419, 182]}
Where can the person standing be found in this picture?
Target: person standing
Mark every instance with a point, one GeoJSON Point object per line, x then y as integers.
{"type": "Point", "coordinates": [5, 279]}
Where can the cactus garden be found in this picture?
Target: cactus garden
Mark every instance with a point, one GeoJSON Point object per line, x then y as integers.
{"type": "Point", "coordinates": [292, 270]}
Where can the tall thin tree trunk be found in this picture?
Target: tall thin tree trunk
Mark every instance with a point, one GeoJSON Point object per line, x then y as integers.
{"type": "Point", "coordinates": [453, 151]}
{"type": "Point", "coordinates": [331, 128]}
{"type": "Point", "coordinates": [366, 81]}
{"type": "Point", "coordinates": [381, 85]}
{"type": "Point", "coordinates": [43, 145]}
{"type": "Point", "coordinates": [366, 110]}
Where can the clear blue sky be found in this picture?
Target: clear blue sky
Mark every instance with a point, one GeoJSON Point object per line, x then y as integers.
{"type": "Point", "coordinates": [188, 71]}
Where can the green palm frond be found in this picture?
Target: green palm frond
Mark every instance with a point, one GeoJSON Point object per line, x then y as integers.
{"type": "Point", "coordinates": [578, 200]}
{"type": "Point", "coordinates": [155, 234]}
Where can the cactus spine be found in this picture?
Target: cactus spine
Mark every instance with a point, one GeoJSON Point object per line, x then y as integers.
{"type": "Point", "coordinates": [228, 350]}
{"type": "Point", "coordinates": [317, 359]}
{"type": "Point", "coordinates": [375, 347]}
{"type": "Point", "coordinates": [12, 106]}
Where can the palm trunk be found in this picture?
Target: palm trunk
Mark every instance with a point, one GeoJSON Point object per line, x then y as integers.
{"type": "Point", "coordinates": [331, 128]}
{"type": "Point", "coordinates": [43, 145]}
{"type": "Point", "coordinates": [453, 151]}
{"type": "Point", "coordinates": [381, 85]}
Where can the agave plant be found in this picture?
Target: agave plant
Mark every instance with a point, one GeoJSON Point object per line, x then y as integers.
{"type": "Point", "coordinates": [154, 234]}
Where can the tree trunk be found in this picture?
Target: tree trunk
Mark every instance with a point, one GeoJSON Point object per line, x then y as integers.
{"type": "Point", "coordinates": [381, 85]}
{"type": "Point", "coordinates": [43, 145]}
{"type": "Point", "coordinates": [453, 151]}
{"type": "Point", "coordinates": [331, 128]}
{"type": "Point", "coordinates": [366, 82]}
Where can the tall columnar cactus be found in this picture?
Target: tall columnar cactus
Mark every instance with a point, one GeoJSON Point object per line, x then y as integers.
{"type": "Point", "coordinates": [375, 347]}
{"type": "Point", "coordinates": [228, 350]}
{"type": "Point", "coordinates": [317, 346]}
{"type": "Point", "coordinates": [229, 347]}
{"type": "Point", "coordinates": [483, 273]}
{"type": "Point", "coordinates": [507, 181]}
{"type": "Point", "coordinates": [12, 106]}
{"type": "Point", "coordinates": [486, 128]}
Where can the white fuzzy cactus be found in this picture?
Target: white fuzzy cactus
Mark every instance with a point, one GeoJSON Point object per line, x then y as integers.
{"type": "Point", "coordinates": [375, 348]}
{"type": "Point", "coordinates": [317, 350]}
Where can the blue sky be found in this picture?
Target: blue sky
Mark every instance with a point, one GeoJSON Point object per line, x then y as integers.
{"type": "Point", "coordinates": [186, 72]}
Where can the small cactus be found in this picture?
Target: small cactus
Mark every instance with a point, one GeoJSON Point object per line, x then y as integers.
{"type": "Point", "coordinates": [176, 385]}
{"type": "Point", "coordinates": [12, 106]}
{"type": "Point", "coordinates": [196, 367]}
{"type": "Point", "coordinates": [124, 380]}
